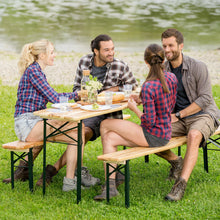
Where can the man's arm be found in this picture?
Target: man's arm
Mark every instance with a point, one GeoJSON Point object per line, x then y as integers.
{"type": "Point", "coordinates": [128, 78]}
{"type": "Point", "coordinates": [190, 110]}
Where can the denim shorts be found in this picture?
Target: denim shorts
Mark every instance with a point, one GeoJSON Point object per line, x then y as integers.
{"type": "Point", "coordinates": [24, 124]}
{"type": "Point", "coordinates": [153, 140]}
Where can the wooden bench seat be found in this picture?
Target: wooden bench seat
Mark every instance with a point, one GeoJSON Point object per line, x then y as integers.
{"type": "Point", "coordinates": [21, 145]}
{"type": "Point", "coordinates": [122, 158]}
{"type": "Point", "coordinates": [135, 152]}
{"type": "Point", "coordinates": [26, 149]}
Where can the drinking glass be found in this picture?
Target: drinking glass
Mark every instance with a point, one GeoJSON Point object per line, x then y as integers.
{"type": "Point", "coordinates": [108, 98]}
{"type": "Point", "coordinates": [127, 90]}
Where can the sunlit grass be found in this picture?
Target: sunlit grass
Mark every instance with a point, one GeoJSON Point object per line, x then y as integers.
{"type": "Point", "coordinates": [147, 185]}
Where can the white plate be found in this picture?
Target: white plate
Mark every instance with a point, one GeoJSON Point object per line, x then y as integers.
{"type": "Point", "coordinates": [70, 105]}
{"type": "Point", "coordinates": [101, 107]}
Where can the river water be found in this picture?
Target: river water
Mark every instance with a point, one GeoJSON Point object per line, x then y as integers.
{"type": "Point", "coordinates": [71, 25]}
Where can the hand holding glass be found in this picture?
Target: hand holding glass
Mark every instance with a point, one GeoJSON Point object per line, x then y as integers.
{"type": "Point", "coordinates": [63, 100]}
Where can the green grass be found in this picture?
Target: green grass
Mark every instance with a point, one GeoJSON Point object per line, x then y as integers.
{"type": "Point", "coordinates": [147, 185]}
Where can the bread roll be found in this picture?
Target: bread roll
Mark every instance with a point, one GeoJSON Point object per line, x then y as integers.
{"type": "Point", "coordinates": [117, 97]}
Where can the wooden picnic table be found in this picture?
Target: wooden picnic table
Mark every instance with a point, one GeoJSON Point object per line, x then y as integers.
{"type": "Point", "coordinates": [74, 115]}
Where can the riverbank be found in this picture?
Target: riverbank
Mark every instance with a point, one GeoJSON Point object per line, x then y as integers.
{"type": "Point", "coordinates": [63, 71]}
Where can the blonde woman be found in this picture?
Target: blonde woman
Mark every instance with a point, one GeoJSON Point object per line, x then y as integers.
{"type": "Point", "coordinates": [34, 92]}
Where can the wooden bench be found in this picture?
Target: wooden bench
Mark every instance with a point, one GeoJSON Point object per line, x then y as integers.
{"type": "Point", "coordinates": [26, 149]}
{"type": "Point", "coordinates": [122, 158]}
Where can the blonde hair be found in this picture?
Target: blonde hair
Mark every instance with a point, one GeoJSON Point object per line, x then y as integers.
{"type": "Point", "coordinates": [30, 53]}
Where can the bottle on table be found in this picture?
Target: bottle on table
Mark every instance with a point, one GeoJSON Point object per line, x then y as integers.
{"type": "Point", "coordinates": [84, 92]}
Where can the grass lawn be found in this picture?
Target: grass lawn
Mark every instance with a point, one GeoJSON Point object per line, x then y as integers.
{"type": "Point", "coordinates": [148, 184]}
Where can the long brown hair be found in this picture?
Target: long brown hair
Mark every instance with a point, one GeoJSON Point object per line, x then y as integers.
{"type": "Point", "coordinates": [154, 55]}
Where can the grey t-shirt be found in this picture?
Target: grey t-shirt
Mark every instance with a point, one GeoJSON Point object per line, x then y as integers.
{"type": "Point", "coordinates": [99, 72]}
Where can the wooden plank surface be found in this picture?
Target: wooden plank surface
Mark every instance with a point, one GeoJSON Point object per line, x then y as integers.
{"type": "Point", "coordinates": [76, 114]}
{"type": "Point", "coordinates": [20, 145]}
{"type": "Point", "coordinates": [217, 131]}
{"type": "Point", "coordinates": [136, 152]}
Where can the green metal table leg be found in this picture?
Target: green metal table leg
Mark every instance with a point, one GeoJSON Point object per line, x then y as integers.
{"type": "Point", "coordinates": [44, 158]}
{"type": "Point", "coordinates": [107, 182]}
{"type": "Point", "coordinates": [127, 178]}
{"type": "Point", "coordinates": [12, 169]}
{"type": "Point", "coordinates": [79, 161]}
{"type": "Point", "coordinates": [30, 169]}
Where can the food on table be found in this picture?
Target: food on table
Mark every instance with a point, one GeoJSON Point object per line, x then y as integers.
{"type": "Point", "coordinates": [117, 97]}
{"type": "Point", "coordinates": [73, 105]}
{"type": "Point", "coordinates": [95, 106]}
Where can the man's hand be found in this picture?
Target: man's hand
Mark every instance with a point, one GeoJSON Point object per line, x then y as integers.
{"type": "Point", "coordinates": [174, 118]}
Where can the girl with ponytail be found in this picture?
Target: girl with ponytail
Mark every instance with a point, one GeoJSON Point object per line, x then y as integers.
{"type": "Point", "coordinates": [158, 96]}
{"type": "Point", "coordinates": [34, 92]}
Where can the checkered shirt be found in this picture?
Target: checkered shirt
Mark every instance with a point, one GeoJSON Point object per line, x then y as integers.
{"type": "Point", "coordinates": [34, 92]}
{"type": "Point", "coordinates": [117, 74]}
{"type": "Point", "coordinates": [158, 106]}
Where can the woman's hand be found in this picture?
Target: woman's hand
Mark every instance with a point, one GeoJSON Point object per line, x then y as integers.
{"type": "Point", "coordinates": [132, 105]}
{"type": "Point", "coordinates": [136, 98]}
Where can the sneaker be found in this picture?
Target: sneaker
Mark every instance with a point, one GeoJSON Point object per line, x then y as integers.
{"type": "Point", "coordinates": [120, 178]}
{"type": "Point", "coordinates": [69, 184]}
{"type": "Point", "coordinates": [87, 179]}
{"type": "Point", "coordinates": [50, 172]}
{"type": "Point", "coordinates": [176, 169]}
{"type": "Point", "coordinates": [112, 191]}
{"type": "Point", "coordinates": [177, 190]}
{"type": "Point", "coordinates": [21, 173]}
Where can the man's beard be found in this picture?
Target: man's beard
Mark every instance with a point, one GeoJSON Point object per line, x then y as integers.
{"type": "Point", "coordinates": [175, 56]}
{"type": "Point", "coordinates": [105, 59]}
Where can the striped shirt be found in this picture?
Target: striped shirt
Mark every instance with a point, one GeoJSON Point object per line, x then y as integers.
{"type": "Point", "coordinates": [34, 92]}
{"type": "Point", "coordinates": [158, 106]}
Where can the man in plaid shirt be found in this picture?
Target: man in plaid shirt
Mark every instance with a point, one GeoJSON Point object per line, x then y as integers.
{"type": "Point", "coordinates": [113, 74]}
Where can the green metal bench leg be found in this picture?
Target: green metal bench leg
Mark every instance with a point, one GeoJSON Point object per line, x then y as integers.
{"type": "Point", "coordinates": [30, 169]}
{"type": "Point", "coordinates": [127, 178]}
{"type": "Point", "coordinates": [107, 182]}
{"type": "Point", "coordinates": [12, 169]}
{"type": "Point", "coordinates": [179, 151]}
{"type": "Point", "coordinates": [205, 158]}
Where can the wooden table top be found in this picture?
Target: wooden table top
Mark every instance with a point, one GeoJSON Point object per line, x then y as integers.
{"type": "Point", "coordinates": [77, 114]}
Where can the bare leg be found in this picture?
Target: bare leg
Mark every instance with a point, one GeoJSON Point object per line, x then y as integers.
{"type": "Point", "coordinates": [71, 161]}
{"type": "Point", "coordinates": [70, 155]}
{"type": "Point", "coordinates": [167, 155]}
{"type": "Point", "coordinates": [194, 139]}
{"type": "Point", "coordinates": [62, 160]}
{"type": "Point", "coordinates": [115, 132]}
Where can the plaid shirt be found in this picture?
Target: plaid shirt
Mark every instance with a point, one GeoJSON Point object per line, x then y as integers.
{"type": "Point", "coordinates": [34, 92]}
{"type": "Point", "coordinates": [158, 106]}
{"type": "Point", "coordinates": [117, 74]}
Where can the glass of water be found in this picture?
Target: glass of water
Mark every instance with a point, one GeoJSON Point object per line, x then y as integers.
{"type": "Point", "coordinates": [127, 90]}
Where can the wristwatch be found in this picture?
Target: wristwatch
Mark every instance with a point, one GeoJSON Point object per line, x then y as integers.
{"type": "Point", "coordinates": [178, 115]}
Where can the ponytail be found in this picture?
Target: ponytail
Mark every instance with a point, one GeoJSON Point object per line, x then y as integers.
{"type": "Point", "coordinates": [154, 56]}
{"type": "Point", "coordinates": [26, 58]}
{"type": "Point", "coordinates": [30, 53]}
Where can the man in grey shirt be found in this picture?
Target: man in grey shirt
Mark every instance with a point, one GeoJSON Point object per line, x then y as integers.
{"type": "Point", "coordinates": [195, 115]}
